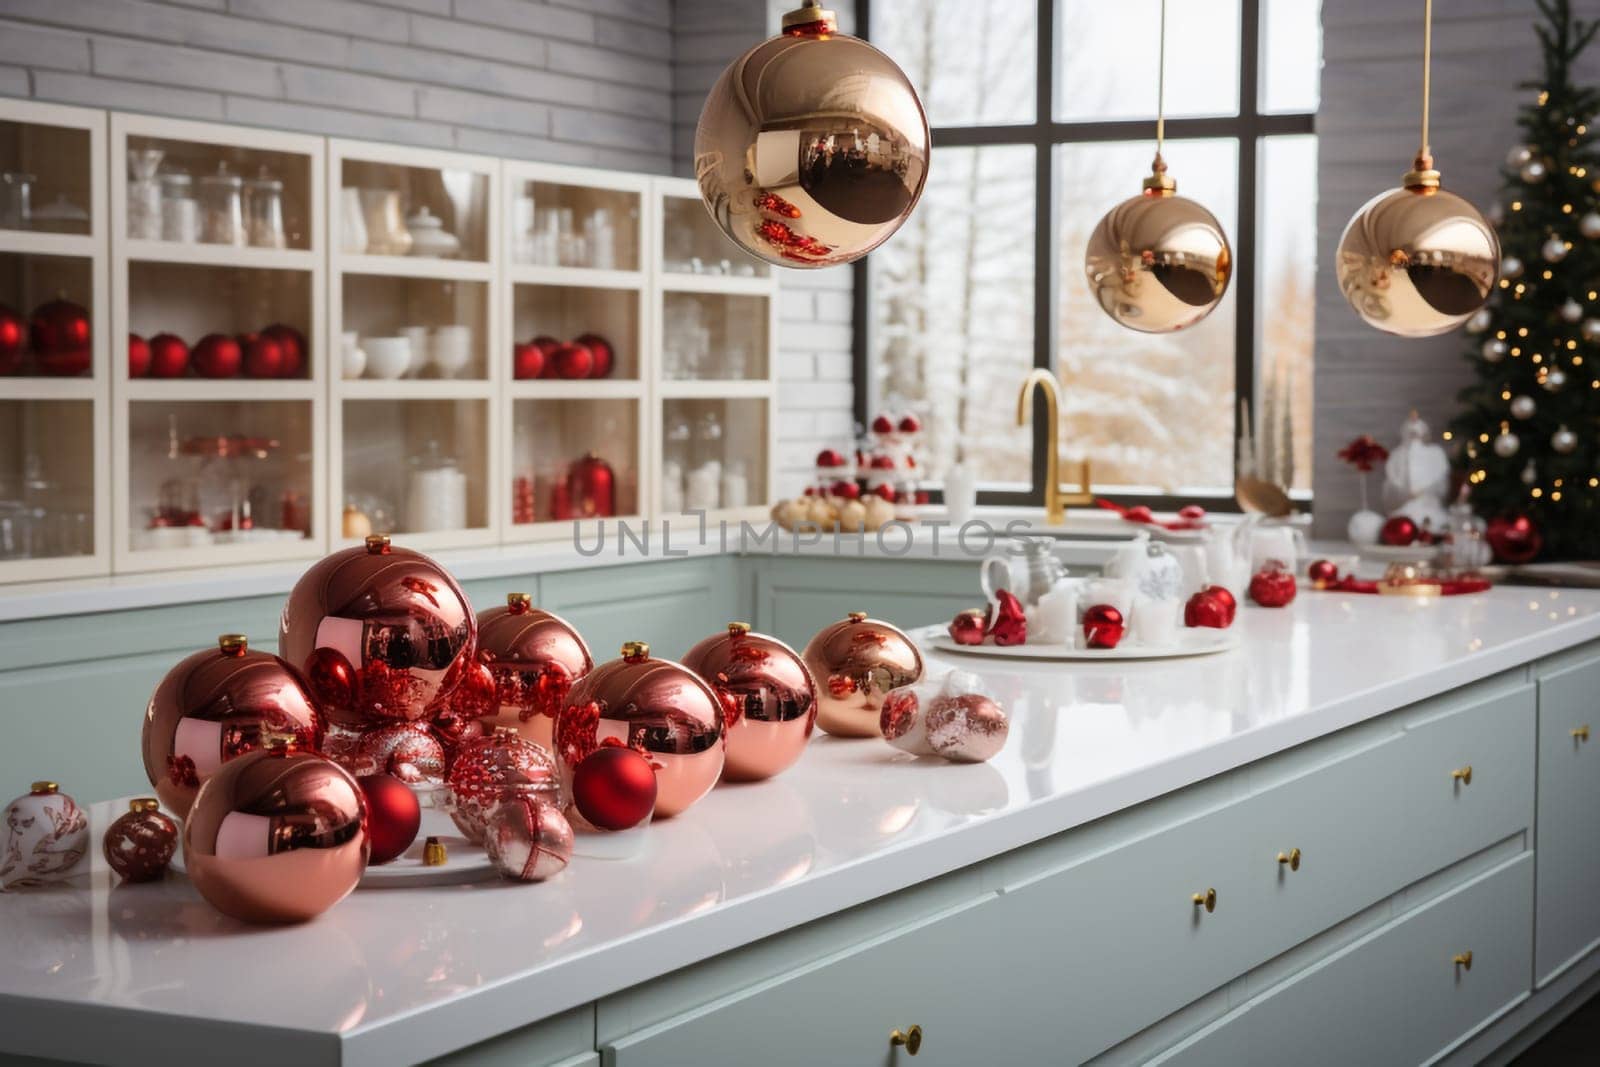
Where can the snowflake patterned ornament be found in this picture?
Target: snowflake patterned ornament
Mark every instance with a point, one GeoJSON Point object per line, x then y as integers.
{"type": "Point", "coordinates": [46, 835]}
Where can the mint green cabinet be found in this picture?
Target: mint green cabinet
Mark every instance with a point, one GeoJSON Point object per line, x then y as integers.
{"type": "Point", "coordinates": [1568, 844]}
{"type": "Point", "coordinates": [797, 596]}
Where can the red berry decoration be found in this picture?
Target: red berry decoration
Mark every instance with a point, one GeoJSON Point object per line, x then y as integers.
{"type": "Point", "coordinates": [1139, 513]}
{"type": "Point", "coordinates": [968, 627]}
{"type": "Point", "coordinates": [138, 356]}
{"type": "Point", "coordinates": [1514, 538]}
{"type": "Point", "coordinates": [1212, 606]}
{"type": "Point", "coordinates": [393, 815]}
{"type": "Point", "coordinates": [1273, 586]}
{"type": "Point", "coordinates": [573, 361]}
{"type": "Point", "coordinates": [604, 355]}
{"type": "Point", "coordinates": [883, 424]}
{"type": "Point", "coordinates": [1103, 626]}
{"type": "Point", "coordinates": [263, 355]}
{"type": "Point", "coordinates": [1192, 513]}
{"type": "Point", "coordinates": [1008, 625]}
{"type": "Point", "coordinates": [12, 344]}
{"type": "Point", "coordinates": [1399, 531]}
{"type": "Point", "coordinates": [527, 361]}
{"type": "Point", "coordinates": [1323, 574]}
{"type": "Point", "coordinates": [830, 457]}
{"type": "Point", "coordinates": [910, 424]}
{"type": "Point", "coordinates": [217, 356]}
{"type": "Point", "coordinates": [293, 344]}
{"type": "Point", "coordinates": [59, 335]}
{"type": "Point", "coordinates": [614, 788]}
{"type": "Point", "coordinates": [169, 356]}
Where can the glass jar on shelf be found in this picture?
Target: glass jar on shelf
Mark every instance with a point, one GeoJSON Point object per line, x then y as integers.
{"type": "Point", "coordinates": [144, 193]}
{"type": "Point", "coordinates": [703, 483]}
{"type": "Point", "coordinates": [264, 206]}
{"type": "Point", "coordinates": [437, 492]}
{"type": "Point", "coordinates": [222, 208]}
{"type": "Point", "coordinates": [180, 214]}
{"type": "Point", "coordinates": [572, 248]}
{"type": "Point", "coordinates": [16, 200]}
{"type": "Point", "coordinates": [545, 240]}
{"type": "Point", "coordinates": [600, 239]}
{"type": "Point", "coordinates": [735, 485]}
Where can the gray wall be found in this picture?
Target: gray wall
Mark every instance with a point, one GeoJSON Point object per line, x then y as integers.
{"type": "Point", "coordinates": [1366, 381]}
{"type": "Point", "coordinates": [608, 83]}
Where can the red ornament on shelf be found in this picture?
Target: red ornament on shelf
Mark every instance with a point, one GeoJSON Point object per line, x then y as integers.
{"type": "Point", "coordinates": [293, 344]}
{"type": "Point", "coordinates": [394, 815]}
{"type": "Point", "coordinates": [548, 345]}
{"type": "Point", "coordinates": [138, 356]}
{"type": "Point", "coordinates": [59, 335]}
{"type": "Point", "coordinates": [846, 490]}
{"type": "Point", "coordinates": [535, 657]}
{"type": "Point", "coordinates": [527, 361]}
{"type": "Point", "coordinates": [141, 842]}
{"type": "Point", "coordinates": [1273, 586]}
{"type": "Point", "coordinates": [169, 356]}
{"type": "Point", "coordinates": [614, 788]}
{"type": "Point", "coordinates": [263, 355]}
{"type": "Point", "coordinates": [573, 361]}
{"type": "Point", "coordinates": [1398, 531]}
{"type": "Point", "coordinates": [830, 458]}
{"type": "Point", "coordinates": [968, 627]}
{"type": "Point", "coordinates": [1212, 606]}
{"type": "Point", "coordinates": [1323, 574]}
{"type": "Point", "coordinates": [1103, 626]}
{"type": "Point", "coordinates": [495, 769]}
{"type": "Point", "coordinates": [1007, 624]}
{"type": "Point", "coordinates": [13, 343]}
{"type": "Point", "coordinates": [217, 356]}
{"type": "Point", "coordinates": [591, 488]}
{"type": "Point", "coordinates": [603, 354]}
{"type": "Point", "coordinates": [1514, 538]}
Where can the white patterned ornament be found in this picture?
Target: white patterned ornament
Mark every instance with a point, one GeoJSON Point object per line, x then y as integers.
{"type": "Point", "coordinates": [46, 835]}
{"type": "Point", "coordinates": [1571, 311]}
{"type": "Point", "coordinates": [1554, 250]}
{"type": "Point", "coordinates": [1523, 407]}
{"type": "Point", "coordinates": [1564, 441]}
{"type": "Point", "coordinates": [1589, 225]}
{"type": "Point", "coordinates": [1506, 444]}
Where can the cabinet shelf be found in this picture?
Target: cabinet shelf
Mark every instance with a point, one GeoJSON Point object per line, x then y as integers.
{"type": "Point", "coordinates": [414, 388]}
{"type": "Point", "coordinates": [732, 284]}
{"type": "Point", "coordinates": [35, 388]}
{"type": "Point", "coordinates": [446, 270]}
{"type": "Point", "coordinates": [206, 255]}
{"type": "Point", "coordinates": [32, 243]}
{"type": "Point", "coordinates": [574, 277]}
{"type": "Point", "coordinates": [584, 389]}
{"type": "Point", "coordinates": [222, 389]}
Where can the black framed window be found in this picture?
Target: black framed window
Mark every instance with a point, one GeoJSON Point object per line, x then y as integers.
{"type": "Point", "coordinates": [1043, 119]}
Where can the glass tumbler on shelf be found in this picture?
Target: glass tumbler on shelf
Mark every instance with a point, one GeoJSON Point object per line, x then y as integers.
{"type": "Point", "coordinates": [264, 196]}
{"type": "Point", "coordinates": [144, 193]}
{"type": "Point", "coordinates": [222, 208]}
{"type": "Point", "coordinates": [600, 239]}
{"type": "Point", "coordinates": [572, 250]}
{"type": "Point", "coordinates": [16, 200]}
{"type": "Point", "coordinates": [180, 214]}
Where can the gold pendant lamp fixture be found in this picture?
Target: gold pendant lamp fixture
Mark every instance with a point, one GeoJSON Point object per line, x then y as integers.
{"type": "Point", "coordinates": [1418, 261]}
{"type": "Point", "coordinates": [1158, 262]}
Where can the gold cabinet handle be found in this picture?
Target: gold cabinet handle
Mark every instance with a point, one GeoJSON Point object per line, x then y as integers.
{"type": "Point", "coordinates": [1206, 900]}
{"type": "Point", "coordinates": [1463, 960]}
{"type": "Point", "coordinates": [911, 1038]}
{"type": "Point", "coordinates": [1290, 859]}
{"type": "Point", "coordinates": [1582, 732]}
{"type": "Point", "coordinates": [1463, 774]}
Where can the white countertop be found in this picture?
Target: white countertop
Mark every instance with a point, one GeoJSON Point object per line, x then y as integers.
{"type": "Point", "coordinates": [399, 975]}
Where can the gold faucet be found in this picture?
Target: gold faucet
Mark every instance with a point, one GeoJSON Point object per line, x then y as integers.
{"type": "Point", "coordinates": [1056, 502]}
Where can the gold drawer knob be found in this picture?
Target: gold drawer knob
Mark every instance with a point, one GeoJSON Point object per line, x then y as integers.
{"type": "Point", "coordinates": [1290, 859]}
{"type": "Point", "coordinates": [1463, 960]}
{"type": "Point", "coordinates": [1463, 774]}
{"type": "Point", "coordinates": [1582, 732]}
{"type": "Point", "coordinates": [1206, 900]}
{"type": "Point", "coordinates": [910, 1038]}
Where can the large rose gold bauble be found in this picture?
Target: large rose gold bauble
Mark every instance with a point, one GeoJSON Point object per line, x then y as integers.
{"type": "Point", "coordinates": [1417, 261]}
{"type": "Point", "coordinates": [769, 702]}
{"type": "Point", "coordinates": [380, 633]}
{"type": "Point", "coordinates": [535, 657]}
{"type": "Point", "coordinates": [812, 147]}
{"type": "Point", "coordinates": [1158, 262]}
{"type": "Point", "coordinates": [855, 664]}
{"type": "Point", "coordinates": [218, 704]}
{"type": "Point", "coordinates": [658, 708]}
{"type": "Point", "coordinates": [276, 837]}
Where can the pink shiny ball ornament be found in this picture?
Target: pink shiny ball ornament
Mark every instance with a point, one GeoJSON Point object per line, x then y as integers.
{"type": "Point", "coordinates": [141, 842]}
{"type": "Point", "coordinates": [276, 837]}
{"type": "Point", "coordinates": [494, 769]}
{"type": "Point", "coordinates": [382, 634]}
{"type": "Point", "coordinates": [769, 701]}
{"type": "Point", "coordinates": [216, 705]}
{"type": "Point", "coordinates": [855, 663]}
{"type": "Point", "coordinates": [658, 708]}
{"type": "Point", "coordinates": [528, 839]}
{"type": "Point", "coordinates": [407, 750]}
{"type": "Point", "coordinates": [534, 658]}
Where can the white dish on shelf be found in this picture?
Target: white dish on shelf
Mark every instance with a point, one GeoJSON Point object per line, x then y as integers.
{"type": "Point", "coordinates": [1192, 641]}
{"type": "Point", "coordinates": [387, 357]}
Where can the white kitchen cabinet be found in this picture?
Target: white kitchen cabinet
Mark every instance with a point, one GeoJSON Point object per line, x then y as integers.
{"type": "Point", "coordinates": [1567, 924]}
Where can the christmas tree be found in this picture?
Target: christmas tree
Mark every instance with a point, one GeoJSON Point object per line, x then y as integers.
{"type": "Point", "coordinates": [1530, 431]}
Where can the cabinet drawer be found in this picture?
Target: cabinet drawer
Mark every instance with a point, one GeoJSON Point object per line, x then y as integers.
{"type": "Point", "coordinates": [1395, 996]}
{"type": "Point", "coordinates": [1568, 837]}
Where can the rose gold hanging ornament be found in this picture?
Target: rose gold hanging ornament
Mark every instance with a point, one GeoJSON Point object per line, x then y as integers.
{"type": "Point", "coordinates": [534, 658]}
{"type": "Point", "coordinates": [769, 703]}
{"type": "Point", "coordinates": [1418, 261]}
{"type": "Point", "coordinates": [812, 147]}
{"type": "Point", "coordinates": [855, 664]}
{"type": "Point", "coordinates": [1158, 262]}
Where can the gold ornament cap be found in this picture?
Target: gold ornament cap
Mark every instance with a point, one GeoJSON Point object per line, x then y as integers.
{"type": "Point", "coordinates": [140, 805]}
{"type": "Point", "coordinates": [233, 644]}
{"type": "Point", "coordinates": [635, 650]}
{"type": "Point", "coordinates": [857, 616]}
{"type": "Point", "coordinates": [808, 15]}
{"type": "Point", "coordinates": [433, 853]}
{"type": "Point", "coordinates": [738, 629]}
{"type": "Point", "coordinates": [377, 544]}
{"type": "Point", "coordinates": [44, 789]}
{"type": "Point", "coordinates": [1160, 183]}
{"type": "Point", "coordinates": [519, 602]}
{"type": "Point", "coordinates": [1422, 177]}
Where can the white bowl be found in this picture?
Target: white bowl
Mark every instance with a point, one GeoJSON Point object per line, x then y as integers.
{"type": "Point", "coordinates": [387, 357]}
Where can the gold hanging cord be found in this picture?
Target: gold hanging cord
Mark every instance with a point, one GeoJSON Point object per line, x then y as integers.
{"type": "Point", "coordinates": [1159, 183]}
{"type": "Point", "coordinates": [1422, 176]}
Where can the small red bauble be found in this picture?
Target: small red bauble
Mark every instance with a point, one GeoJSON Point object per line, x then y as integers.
{"type": "Point", "coordinates": [217, 356]}
{"type": "Point", "coordinates": [1323, 574]}
{"type": "Point", "coordinates": [141, 842]}
{"type": "Point", "coordinates": [910, 424]}
{"type": "Point", "coordinates": [495, 769]}
{"type": "Point", "coordinates": [1273, 586]}
{"type": "Point", "coordinates": [263, 355]}
{"type": "Point", "coordinates": [12, 344]}
{"type": "Point", "coordinates": [1212, 606]}
{"type": "Point", "coordinates": [1139, 513]}
{"type": "Point", "coordinates": [59, 334]}
{"type": "Point", "coordinates": [883, 424]}
{"type": "Point", "coordinates": [393, 815]}
{"type": "Point", "coordinates": [614, 788]}
{"type": "Point", "coordinates": [138, 356]}
{"type": "Point", "coordinates": [591, 487]}
{"type": "Point", "coordinates": [1103, 626]}
{"type": "Point", "coordinates": [169, 356]}
{"type": "Point", "coordinates": [967, 628]}
{"type": "Point", "coordinates": [1398, 531]}
{"type": "Point", "coordinates": [830, 457]}
{"type": "Point", "coordinates": [527, 361]}
{"type": "Point", "coordinates": [1008, 624]}
{"type": "Point", "coordinates": [845, 490]}
{"type": "Point", "coordinates": [887, 492]}
{"type": "Point", "coordinates": [573, 361]}
{"type": "Point", "coordinates": [293, 344]}
{"type": "Point", "coordinates": [548, 345]}
{"type": "Point", "coordinates": [1514, 538]}
{"type": "Point", "coordinates": [604, 355]}
{"type": "Point", "coordinates": [1192, 513]}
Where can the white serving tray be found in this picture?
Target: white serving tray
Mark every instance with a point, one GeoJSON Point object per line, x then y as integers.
{"type": "Point", "coordinates": [1192, 641]}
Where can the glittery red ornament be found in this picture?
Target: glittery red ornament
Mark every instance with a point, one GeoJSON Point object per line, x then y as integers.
{"type": "Point", "coordinates": [293, 344]}
{"type": "Point", "coordinates": [1273, 586]}
{"type": "Point", "coordinates": [1103, 626]}
{"type": "Point", "coordinates": [393, 815]}
{"type": "Point", "coordinates": [59, 335]}
{"type": "Point", "coordinates": [169, 356]}
{"type": "Point", "coordinates": [534, 657]}
{"type": "Point", "coordinates": [968, 627]}
{"type": "Point", "coordinates": [141, 842]}
{"type": "Point", "coordinates": [1514, 538]}
{"type": "Point", "coordinates": [1398, 531]}
{"type": "Point", "coordinates": [603, 355]}
{"type": "Point", "coordinates": [614, 788]}
{"type": "Point", "coordinates": [493, 769]}
{"type": "Point", "coordinates": [1007, 622]}
{"type": "Point", "coordinates": [591, 486]}
{"type": "Point", "coordinates": [1212, 606]}
{"type": "Point", "coordinates": [407, 750]}
{"type": "Point", "coordinates": [13, 330]}
{"type": "Point", "coordinates": [138, 356]}
{"type": "Point", "coordinates": [573, 361]}
{"type": "Point", "coordinates": [1323, 574]}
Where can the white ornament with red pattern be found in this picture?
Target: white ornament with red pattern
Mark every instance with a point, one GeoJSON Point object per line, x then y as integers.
{"type": "Point", "coordinates": [46, 836]}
